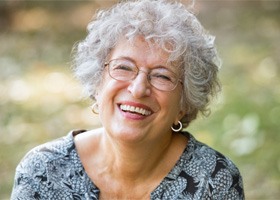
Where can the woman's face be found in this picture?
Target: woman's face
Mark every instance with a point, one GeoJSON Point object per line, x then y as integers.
{"type": "Point", "coordinates": [135, 110]}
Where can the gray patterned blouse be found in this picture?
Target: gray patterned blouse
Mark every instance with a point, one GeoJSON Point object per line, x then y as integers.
{"type": "Point", "coordinates": [54, 171]}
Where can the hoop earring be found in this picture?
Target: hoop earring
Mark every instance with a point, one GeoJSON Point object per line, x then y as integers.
{"type": "Point", "coordinates": [177, 129]}
{"type": "Point", "coordinates": [94, 108]}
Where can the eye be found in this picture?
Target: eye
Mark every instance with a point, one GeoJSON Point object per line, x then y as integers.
{"type": "Point", "coordinates": [122, 67]}
{"type": "Point", "coordinates": [163, 77]}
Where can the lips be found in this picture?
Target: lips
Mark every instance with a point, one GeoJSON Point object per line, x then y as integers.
{"type": "Point", "coordinates": [135, 109]}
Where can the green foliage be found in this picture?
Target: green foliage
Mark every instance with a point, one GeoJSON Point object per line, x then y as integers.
{"type": "Point", "coordinates": [40, 100]}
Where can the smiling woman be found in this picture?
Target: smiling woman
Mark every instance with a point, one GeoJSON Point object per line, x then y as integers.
{"type": "Point", "coordinates": [150, 68]}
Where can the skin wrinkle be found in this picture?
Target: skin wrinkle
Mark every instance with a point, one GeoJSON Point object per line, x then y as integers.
{"type": "Point", "coordinates": [138, 152]}
{"type": "Point", "coordinates": [123, 139]}
{"type": "Point", "coordinates": [176, 31]}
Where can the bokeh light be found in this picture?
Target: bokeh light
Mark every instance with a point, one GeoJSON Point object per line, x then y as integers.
{"type": "Point", "coordinates": [40, 100]}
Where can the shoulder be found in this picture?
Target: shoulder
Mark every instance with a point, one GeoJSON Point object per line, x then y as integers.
{"type": "Point", "coordinates": [38, 159]}
{"type": "Point", "coordinates": [49, 151]}
{"type": "Point", "coordinates": [211, 168]}
{"type": "Point", "coordinates": [198, 153]}
{"type": "Point", "coordinates": [43, 167]}
{"type": "Point", "coordinates": [201, 173]}
{"type": "Point", "coordinates": [53, 171]}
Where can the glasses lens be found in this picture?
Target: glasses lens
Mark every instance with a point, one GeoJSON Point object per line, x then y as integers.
{"type": "Point", "coordinates": [122, 70]}
{"type": "Point", "coordinates": [163, 79]}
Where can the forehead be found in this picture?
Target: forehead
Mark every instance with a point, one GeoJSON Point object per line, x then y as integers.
{"type": "Point", "coordinates": [140, 51]}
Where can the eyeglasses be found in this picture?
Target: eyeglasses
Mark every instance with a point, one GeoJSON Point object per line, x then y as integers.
{"type": "Point", "coordinates": [124, 70]}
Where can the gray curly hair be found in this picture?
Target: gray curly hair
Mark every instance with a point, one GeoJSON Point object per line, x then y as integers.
{"type": "Point", "coordinates": [164, 23]}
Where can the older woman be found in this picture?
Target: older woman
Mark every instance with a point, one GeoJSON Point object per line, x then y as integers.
{"type": "Point", "coordinates": [150, 68]}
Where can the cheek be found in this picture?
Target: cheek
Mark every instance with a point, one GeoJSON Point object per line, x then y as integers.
{"type": "Point", "coordinates": [174, 103]}
{"type": "Point", "coordinates": [109, 89]}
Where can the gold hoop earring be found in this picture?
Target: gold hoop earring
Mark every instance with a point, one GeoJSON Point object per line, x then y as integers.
{"type": "Point", "coordinates": [177, 129]}
{"type": "Point", "coordinates": [94, 108]}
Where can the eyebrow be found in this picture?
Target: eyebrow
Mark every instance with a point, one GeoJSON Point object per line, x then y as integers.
{"type": "Point", "coordinates": [126, 58]}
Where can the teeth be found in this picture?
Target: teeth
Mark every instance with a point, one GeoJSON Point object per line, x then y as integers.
{"type": "Point", "coordinates": [135, 110]}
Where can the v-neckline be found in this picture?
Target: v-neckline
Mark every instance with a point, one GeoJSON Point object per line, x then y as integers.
{"type": "Point", "coordinates": [169, 175]}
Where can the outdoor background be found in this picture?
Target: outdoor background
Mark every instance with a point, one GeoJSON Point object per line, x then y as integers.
{"type": "Point", "coordinates": [40, 100]}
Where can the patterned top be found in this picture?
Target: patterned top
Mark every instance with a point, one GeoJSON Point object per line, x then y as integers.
{"type": "Point", "coordinates": [54, 171]}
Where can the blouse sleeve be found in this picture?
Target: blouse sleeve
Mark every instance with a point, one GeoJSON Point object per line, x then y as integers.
{"type": "Point", "coordinates": [29, 178]}
{"type": "Point", "coordinates": [226, 182]}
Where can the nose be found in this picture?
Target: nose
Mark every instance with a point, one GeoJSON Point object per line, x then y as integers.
{"type": "Point", "coordinates": [140, 86]}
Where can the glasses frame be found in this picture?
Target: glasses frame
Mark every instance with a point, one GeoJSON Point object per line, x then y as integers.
{"type": "Point", "coordinates": [177, 80]}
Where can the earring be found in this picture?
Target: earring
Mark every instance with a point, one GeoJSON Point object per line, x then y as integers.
{"type": "Point", "coordinates": [177, 129]}
{"type": "Point", "coordinates": [94, 108]}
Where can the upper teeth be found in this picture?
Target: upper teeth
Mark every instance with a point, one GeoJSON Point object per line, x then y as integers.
{"type": "Point", "coordinates": [135, 109]}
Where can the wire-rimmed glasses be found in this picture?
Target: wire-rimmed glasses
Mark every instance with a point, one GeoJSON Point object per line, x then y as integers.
{"type": "Point", "coordinates": [159, 77]}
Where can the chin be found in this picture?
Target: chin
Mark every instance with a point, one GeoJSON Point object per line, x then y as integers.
{"type": "Point", "coordinates": [129, 135]}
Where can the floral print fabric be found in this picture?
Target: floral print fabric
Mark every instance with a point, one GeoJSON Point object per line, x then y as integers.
{"type": "Point", "coordinates": [54, 171]}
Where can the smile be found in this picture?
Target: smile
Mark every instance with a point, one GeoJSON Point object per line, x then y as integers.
{"type": "Point", "coordinates": [134, 109]}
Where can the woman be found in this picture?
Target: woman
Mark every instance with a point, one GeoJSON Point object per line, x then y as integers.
{"type": "Point", "coordinates": [150, 68]}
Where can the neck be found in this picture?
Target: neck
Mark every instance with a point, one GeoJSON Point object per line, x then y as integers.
{"type": "Point", "coordinates": [134, 161]}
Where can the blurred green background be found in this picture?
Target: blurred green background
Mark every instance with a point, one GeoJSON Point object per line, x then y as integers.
{"type": "Point", "coordinates": [40, 100]}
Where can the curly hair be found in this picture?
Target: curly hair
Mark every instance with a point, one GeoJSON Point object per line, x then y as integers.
{"type": "Point", "coordinates": [166, 23]}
